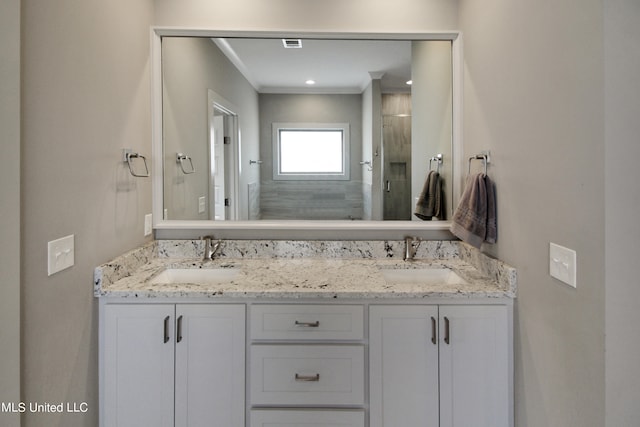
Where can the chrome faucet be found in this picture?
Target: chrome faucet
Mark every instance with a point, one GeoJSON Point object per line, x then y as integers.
{"type": "Point", "coordinates": [210, 248]}
{"type": "Point", "coordinates": [411, 245]}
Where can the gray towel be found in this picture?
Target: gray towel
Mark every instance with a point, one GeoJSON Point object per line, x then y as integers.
{"type": "Point", "coordinates": [492, 217]}
{"type": "Point", "coordinates": [475, 220]}
{"type": "Point", "coordinates": [429, 203]}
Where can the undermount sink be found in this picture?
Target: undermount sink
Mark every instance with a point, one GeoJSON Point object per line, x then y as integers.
{"type": "Point", "coordinates": [205, 276]}
{"type": "Point", "coordinates": [422, 276]}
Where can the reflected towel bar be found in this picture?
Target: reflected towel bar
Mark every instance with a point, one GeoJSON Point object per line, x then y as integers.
{"type": "Point", "coordinates": [180, 159]}
{"type": "Point", "coordinates": [438, 159]}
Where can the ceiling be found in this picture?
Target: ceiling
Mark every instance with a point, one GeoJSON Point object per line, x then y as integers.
{"type": "Point", "coordinates": [337, 66]}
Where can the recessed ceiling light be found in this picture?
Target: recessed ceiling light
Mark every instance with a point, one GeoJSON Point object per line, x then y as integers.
{"type": "Point", "coordinates": [310, 82]}
{"type": "Point", "coordinates": [409, 82]}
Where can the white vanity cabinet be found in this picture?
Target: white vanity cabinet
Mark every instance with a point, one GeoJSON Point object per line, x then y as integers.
{"type": "Point", "coordinates": [446, 366]}
{"type": "Point", "coordinates": [172, 364]}
{"type": "Point", "coordinates": [319, 364]}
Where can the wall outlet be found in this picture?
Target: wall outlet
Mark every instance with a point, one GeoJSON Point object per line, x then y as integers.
{"type": "Point", "coordinates": [61, 254]}
{"type": "Point", "coordinates": [201, 204]}
{"type": "Point", "coordinates": [148, 224]}
{"type": "Point", "coordinates": [562, 264]}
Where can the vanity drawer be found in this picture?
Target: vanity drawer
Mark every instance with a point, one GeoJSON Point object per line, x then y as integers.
{"type": "Point", "coordinates": [307, 375]}
{"type": "Point", "coordinates": [307, 322]}
{"type": "Point", "coordinates": [310, 418]}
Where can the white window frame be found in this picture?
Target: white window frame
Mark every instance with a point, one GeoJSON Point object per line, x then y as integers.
{"type": "Point", "coordinates": [346, 142]}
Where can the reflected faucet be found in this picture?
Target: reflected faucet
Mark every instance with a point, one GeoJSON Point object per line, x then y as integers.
{"type": "Point", "coordinates": [210, 249]}
{"type": "Point", "coordinates": [411, 245]}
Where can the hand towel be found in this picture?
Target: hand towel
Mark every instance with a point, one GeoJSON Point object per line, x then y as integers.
{"type": "Point", "coordinates": [474, 220]}
{"type": "Point", "coordinates": [492, 219]}
{"type": "Point", "coordinates": [429, 203]}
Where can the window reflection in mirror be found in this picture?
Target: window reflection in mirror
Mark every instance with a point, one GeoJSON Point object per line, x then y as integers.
{"type": "Point", "coordinates": [219, 109]}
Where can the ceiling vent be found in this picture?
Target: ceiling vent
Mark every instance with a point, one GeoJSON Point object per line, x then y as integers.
{"type": "Point", "coordinates": [292, 43]}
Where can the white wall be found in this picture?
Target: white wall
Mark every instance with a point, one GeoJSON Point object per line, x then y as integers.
{"type": "Point", "coordinates": [10, 207]}
{"type": "Point", "coordinates": [533, 95]}
{"type": "Point", "coordinates": [622, 153]}
{"type": "Point", "coordinates": [85, 97]}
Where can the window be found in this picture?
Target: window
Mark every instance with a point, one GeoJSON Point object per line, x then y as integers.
{"type": "Point", "coordinates": [311, 151]}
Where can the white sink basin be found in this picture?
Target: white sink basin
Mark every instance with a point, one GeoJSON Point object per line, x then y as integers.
{"type": "Point", "coordinates": [422, 276]}
{"type": "Point", "coordinates": [205, 276]}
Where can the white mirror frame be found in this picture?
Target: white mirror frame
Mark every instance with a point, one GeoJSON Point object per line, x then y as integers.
{"type": "Point", "coordinates": [307, 230]}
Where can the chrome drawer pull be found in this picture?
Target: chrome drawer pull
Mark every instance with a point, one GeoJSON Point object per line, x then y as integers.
{"type": "Point", "coordinates": [308, 378]}
{"type": "Point", "coordinates": [308, 324]}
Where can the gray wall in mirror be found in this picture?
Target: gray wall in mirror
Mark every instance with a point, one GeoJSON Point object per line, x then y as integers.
{"type": "Point", "coordinates": [193, 67]}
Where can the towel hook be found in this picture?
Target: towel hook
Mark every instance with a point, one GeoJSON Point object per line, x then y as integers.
{"type": "Point", "coordinates": [180, 159]}
{"type": "Point", "coordinates": [438, 159]}
{"type": "Point", "coordinates": [127, 155]}
{"type": "Point", "coordinates": [484, 156]}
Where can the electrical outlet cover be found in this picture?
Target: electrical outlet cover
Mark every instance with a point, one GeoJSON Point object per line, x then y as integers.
{"type": "Point", "coordinates": [148, 224]}
{"type": "Point", "coordinates": [562, 264]}
{"type": "Point", "coordinates": [61, 254]}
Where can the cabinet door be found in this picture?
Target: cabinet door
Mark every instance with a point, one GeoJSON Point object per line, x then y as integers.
{"type": "Point", "coordinates": [403, 351]}
{"type": "Point", "coordinates": [210, 365]}
{"type": "Point", "coordinates": [137, 364]}
{"type": "Point", "coordinates": [474, 366]}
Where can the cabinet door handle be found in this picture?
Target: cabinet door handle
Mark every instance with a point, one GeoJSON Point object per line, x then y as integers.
{"type": "Point", "coordinates": [447, 338]}
{"type": "Point", "coordinates": [434, 330]}
{"type": "Point", "coordinates": [308, 324]}
{"type": "Point", "coordinates": [179, 331]}
{"type": "Point", "coordinates": [166, 329]}
{"type": "Point", "coordinates": [308, 378]}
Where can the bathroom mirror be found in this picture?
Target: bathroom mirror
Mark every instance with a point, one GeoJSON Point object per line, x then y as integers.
{"type": "Point", "coordinates": [230, 109]}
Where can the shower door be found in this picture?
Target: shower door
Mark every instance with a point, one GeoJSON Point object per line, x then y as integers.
{"type": "Point", "coordinates": [396, 172]}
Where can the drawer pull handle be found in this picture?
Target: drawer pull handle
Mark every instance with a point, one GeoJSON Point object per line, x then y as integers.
{"type": "Point", "coordinates": [308, 324]}
{"type": "Point", "coordinates": [308, 378]}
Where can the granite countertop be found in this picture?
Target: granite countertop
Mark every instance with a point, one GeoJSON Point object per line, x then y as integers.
{"type": "Point", "coordinates": [291, 277]}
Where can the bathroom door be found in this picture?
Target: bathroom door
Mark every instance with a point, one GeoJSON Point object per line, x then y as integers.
{"type": "Point", "coordinates": [217, 167]}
